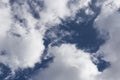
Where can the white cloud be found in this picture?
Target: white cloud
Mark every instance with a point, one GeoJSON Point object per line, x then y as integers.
{"type": "Point", "coordinates": [77, 66]}
{"type": "Point", "coordinates": [53, 10]}
{"type": "Point", "coordinates": [24, 51]}
{"type": "Point", "coordinates": [56, 9]}
{"type": "Point", "coordinates": [4, 19]}
{"type": "Point", "coordinates": [109, 21]}
{"type": "Point", "coordinates": [69, 63]}
{"type": "Point", "coordinates": [109, 6]}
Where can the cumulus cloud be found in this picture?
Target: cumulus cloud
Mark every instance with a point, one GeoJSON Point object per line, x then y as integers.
{"type": "Point", "coordinates": [109, 21]}
{"type": "Point", "coordinates": [20, 46]}
{"type": "Point", "coordinates": [69, 63]}
{"type": "Point", "coordinates": [21, 39]}
{"type": "Point", "coordinates": [22, 52]}
{"type": "Point", "coordinates": [66, 60]}
{"type": "Point", "coordinates": [21, 34]}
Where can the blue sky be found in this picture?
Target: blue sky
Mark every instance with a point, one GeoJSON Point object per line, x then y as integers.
{"type": "Point", "coordinates": [59, 39]}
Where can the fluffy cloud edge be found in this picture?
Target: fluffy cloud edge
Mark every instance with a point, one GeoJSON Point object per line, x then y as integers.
{"type": "Point", "coordinates": [69, 63]}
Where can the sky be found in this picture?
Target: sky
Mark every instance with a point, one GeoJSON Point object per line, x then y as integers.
{"type": "Point", "coordinates": [74, 39]}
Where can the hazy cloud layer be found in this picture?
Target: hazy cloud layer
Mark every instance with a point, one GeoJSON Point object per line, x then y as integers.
{"type": "Point", "coordinates": [108, 23]}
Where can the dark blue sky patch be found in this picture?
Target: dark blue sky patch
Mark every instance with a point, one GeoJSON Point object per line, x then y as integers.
{"type": "Point", "coordinates": [83, 34]}
{"type": "Point", "coordinates": [102, 64]}
{"type": "Point", "coordinates": [4, 71]}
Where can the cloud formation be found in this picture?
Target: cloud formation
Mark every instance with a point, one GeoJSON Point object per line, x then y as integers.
{"type": "Point", "coordinates": [108, 25]}
{"type": "Point", "coordinates": [69, 63]}
{"type": "Point", "coordinates": [21, 39]}
{"type": "Point", "coordinates": [19, 48]}
{"type": "Point", "coordinates": [108, 22]}
{"type": "Point", "coordinates": [21, 34]}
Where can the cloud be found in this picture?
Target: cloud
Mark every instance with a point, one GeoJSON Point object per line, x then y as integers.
{"type": "Point", "coordinates": [22, 52]}
{"type": "Point", "coordinates": [69, 63]}
{"type": "Point", "coordinates": [21, 34]}
{"type": "Point", "coordinates": [108, 22]}
{"type": "Point", "coordinates": [4, 19]}
{"type": "Point", "coordinates": [54, 10]}
{"type": "Point", "coordinates": [20, 46]}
